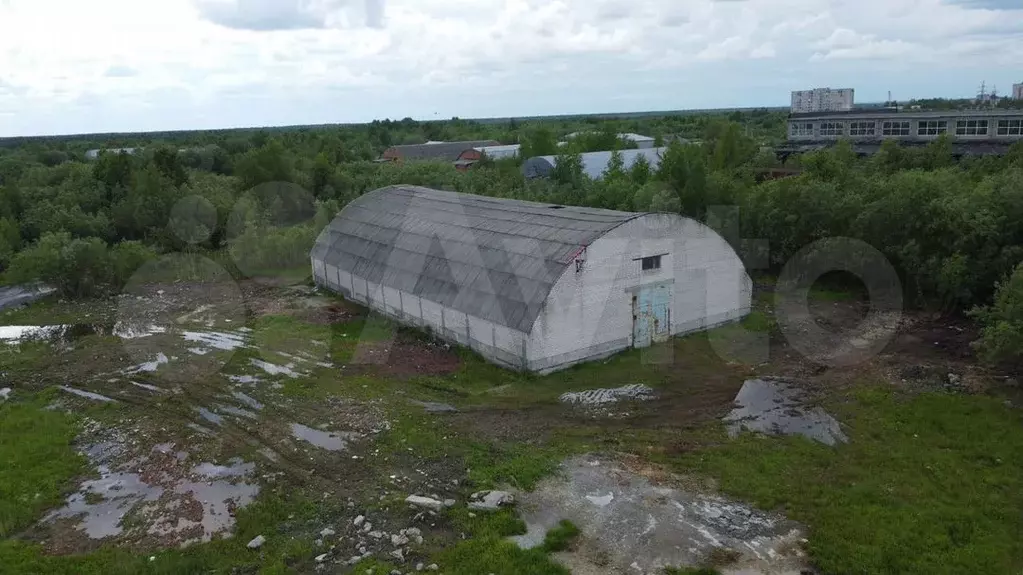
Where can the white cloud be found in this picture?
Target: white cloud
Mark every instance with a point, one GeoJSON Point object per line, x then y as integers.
{"type": "Point", "coordinates": [765, 50]}
{"type": "Point", "coordinates": [123, 64]}
{"type": "Point", "coordinates": [842, 38]}
{"type": "Point", "coordinates": [270, 15]}
{"type": "Point", "coordinates": [870, 49]}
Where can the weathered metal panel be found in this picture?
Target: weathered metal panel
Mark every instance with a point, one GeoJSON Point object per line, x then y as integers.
{"type": "Point", "coordinates": [651, 312]}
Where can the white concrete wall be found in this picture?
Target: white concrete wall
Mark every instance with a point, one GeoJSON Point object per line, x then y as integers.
{"type": "Point", "coordinates": [589, 314]}
{"type": "Point", "coordinates": [497, 343]}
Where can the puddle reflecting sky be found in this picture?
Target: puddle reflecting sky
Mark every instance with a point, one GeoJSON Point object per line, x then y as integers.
{"type": "Point", "coordinates": [778, 407]}
{"type": "Point", "coordinates": [274, 369]}
{"type": "Point", "coordinates": [249, 401]}
{"type": "Point", "coordinates": [329, 440]}
{"type": "Point", "coordinates": [87, 394]}
{"type": "Point", "coordinates": [190, 506]}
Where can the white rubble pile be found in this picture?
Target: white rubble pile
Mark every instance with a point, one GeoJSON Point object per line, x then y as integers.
{"type": "Point", "coordinates": [590, 397]}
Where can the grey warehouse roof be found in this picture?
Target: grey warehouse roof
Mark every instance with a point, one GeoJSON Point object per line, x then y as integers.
{"type": "Point", "coordinates": [496, 259]}
{"type": "Point", "coordinates": [594, 163]}
{"type": "Point", "coordinates": [439, 150]}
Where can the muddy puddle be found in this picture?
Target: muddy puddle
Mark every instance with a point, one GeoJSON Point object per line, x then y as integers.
{"type": "Point", "coordinates": [777, 406]}
{"type": "Point", "coordinates": [200, 342]}
{"type": "Point", "coordinates": [329, 440]}
{"type": "Point", "coordinates": [160, 499]}
{"type": "Point", "coordinates": [250, 402]}
{"type": "Point", "coordinates": [631, 524]}
{"type": "Point", "coordinates": [215, 340]}
{"type": "Point", "coordinates": [86, 394]}
{"type": "Point", "coordinates": [154, 347]}
{"type": "Point", "coordinates": [243, 379]}
{"type": "Point", "coordinates": [66, 334]}
{"type": "Point", "coordinates": [13, 296]}
{"type": "Point", "coordinates": [274, 369]}
{"type": "Point", "coordinates": [58, 335]}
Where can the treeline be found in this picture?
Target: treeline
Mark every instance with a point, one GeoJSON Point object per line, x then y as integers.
{"type": "Point", "coordinates": [952, 228]}
{"type": "Point", "coordinates": [52, 196]}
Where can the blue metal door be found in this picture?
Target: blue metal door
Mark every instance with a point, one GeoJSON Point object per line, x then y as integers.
{"type": "Point", "coordinates": [641, 318]}
{"type": "Point", "coordinates": [651, 314]}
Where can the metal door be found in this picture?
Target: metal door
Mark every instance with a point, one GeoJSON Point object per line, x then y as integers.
{"type": "Point", "coordinates": [651, 314]}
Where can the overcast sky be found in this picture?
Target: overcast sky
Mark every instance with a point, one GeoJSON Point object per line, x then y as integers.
{"type": "Point", "coordinates": [72, 66]}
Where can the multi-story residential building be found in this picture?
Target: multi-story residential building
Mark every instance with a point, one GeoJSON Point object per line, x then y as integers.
{"type": "Point", "coordinates": [1017, 91]}
{"type": "Point", "coordinates": [822, 100]}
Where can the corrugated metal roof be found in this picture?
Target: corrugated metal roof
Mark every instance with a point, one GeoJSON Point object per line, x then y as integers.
{"type": "Point", "coordinates": [594, 163]}
{"type": "Point", "coordinates": [439, 150]}
{"type": "Point", "coordinates": [492, 258]}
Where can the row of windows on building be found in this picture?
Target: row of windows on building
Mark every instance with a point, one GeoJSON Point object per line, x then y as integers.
{"type": "Point", "coordinates": [902, 128]}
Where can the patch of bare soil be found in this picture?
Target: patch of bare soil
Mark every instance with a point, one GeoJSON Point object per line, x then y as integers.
{"type": "Point", "coordinates": [528, 425]}
{"type": "Point", "coordinates": [405, 357]}
{"type": "Point", "coordinates": [301, 302]}
{"type": "Point", "coordinates": [181, 301]}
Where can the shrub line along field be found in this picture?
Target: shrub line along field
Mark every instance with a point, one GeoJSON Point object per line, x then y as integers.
{"type": "Point", "coordinates": [929, 481]}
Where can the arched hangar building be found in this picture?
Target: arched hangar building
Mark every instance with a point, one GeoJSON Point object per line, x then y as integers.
{"type": "Point", "coordinates": [530, 286]}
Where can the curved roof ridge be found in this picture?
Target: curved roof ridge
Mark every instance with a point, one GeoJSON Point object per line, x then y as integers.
{"type": "Point", "coordinates": [478, 260]}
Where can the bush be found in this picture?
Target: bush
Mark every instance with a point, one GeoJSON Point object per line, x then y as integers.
{"type": "Point", "coordinates": [78, 267]}
{"type": "Point", "coordinates": [1001, 339]}
{"type": "Point", "coordinates": [125, 258]}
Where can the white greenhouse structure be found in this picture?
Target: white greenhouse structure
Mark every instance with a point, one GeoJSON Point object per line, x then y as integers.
{"type": "Point", "coordinates": [530, 286]}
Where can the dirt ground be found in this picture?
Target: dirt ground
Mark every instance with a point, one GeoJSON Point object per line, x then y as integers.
{"type": "Point", "coordinates": [330, 416]}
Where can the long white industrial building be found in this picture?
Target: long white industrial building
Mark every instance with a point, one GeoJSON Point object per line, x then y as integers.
{"type": "Point", "coordinates": [530, 286]}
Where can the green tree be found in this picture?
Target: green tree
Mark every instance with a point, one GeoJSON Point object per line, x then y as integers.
{"type": "Point", "coordinates": [665, 200]}
{"type": "Point", "coordinates": [169, 164]}
{"type": "Point", "coordinates": [125, 258]}
{"type": "Point", "coordinates": [731, 148]}
{"type": "Point", "coordinates": [53, 157]}
{"type": "Point", "coordinates": [1001, 338]}
{"type": "Point", "coordinates": [10, 240]}
{"type": "Point", "coordinates": [321, 173]}
{"type": "Point", "coordinates": [644, 195]}
{"type": "Point", "coordinates": [113, 169]}
{"type": "Point", "coordinates": [640, 172]}
{"type": "Point", "coordinates": [268, 163]}
{"type": "Point", "coordinates": [145, 209]}
{"type": "Point", "coordinates": [538, 142]}
{"type": "Point", "coordinates": [890, 158]}
{"type": "Point", "coordinates": [77, 267]}
{"type": "Point", "coordinates": [568, 170]}
{"type": "Point", "coordinates": [615, 169]}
